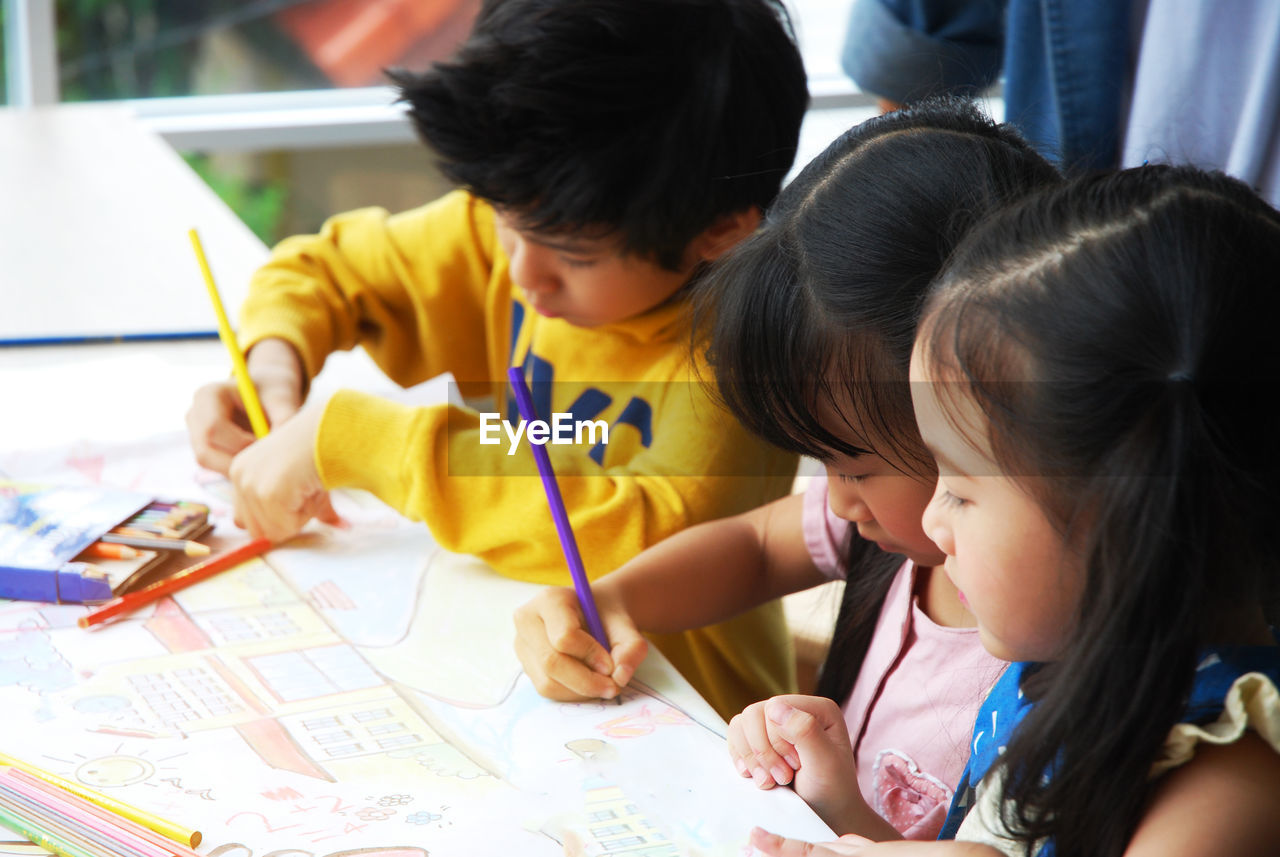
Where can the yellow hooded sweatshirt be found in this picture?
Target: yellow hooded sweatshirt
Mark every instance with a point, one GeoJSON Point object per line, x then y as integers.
{"type": "Point", "coordinates": [428, 291]}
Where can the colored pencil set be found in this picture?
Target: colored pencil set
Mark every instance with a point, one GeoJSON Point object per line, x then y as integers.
{"type": "Point", "coordinates": [69, 819]}
{"type": "Point", "coordinates": [161, 525]}
{"type": "Point", "coordinates": [81, 544]}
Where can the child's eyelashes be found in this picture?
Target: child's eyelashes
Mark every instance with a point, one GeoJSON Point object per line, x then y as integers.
{"type": "Point", "coordinates": [847, 477]}
{"type": "Point", "coordinates": [952, 500]}
{"type": "Point", "coordinates": [577, 261]}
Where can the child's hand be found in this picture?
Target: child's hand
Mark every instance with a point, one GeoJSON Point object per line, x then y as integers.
{"type": "Point", "coordinates": [216, 421]}
{"type": "Point", "coordinates": [562, 658]}
{"type": "Point", "coordinates": [217, 425]}
{"type": "Point", "coordinates": [276, 486]}
{"type": "Point", "coordinates": [852, 845]}
{"type": "Point", "coordinates": [773, 845]}
{"type": "Point", "coordinates": [803, 741]}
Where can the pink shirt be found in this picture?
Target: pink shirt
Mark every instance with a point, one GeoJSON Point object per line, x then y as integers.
{"type": "Point", "coordinates": [911, 711]}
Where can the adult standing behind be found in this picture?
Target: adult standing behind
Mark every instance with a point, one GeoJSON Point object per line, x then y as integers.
{"type": "Point", "coordinates": [1094, 83]}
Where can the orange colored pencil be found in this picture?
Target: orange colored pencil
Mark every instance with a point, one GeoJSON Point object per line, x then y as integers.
{"type": "Point", "coordinates": [103, 550]}
{"type": "Point", "coordinates": [181, 580]}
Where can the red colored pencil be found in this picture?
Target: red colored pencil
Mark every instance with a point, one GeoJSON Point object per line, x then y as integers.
{"type": "Point", "coordinates": [181, 580]}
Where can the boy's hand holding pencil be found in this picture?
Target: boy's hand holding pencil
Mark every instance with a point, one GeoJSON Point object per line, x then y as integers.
{"type": "Point", "coordinates": [562, 658]}
{"type": "Point", "coordinates": [217, 421]}
{"type": "Point", "coordinates": [268, 396]}
{"type": "Point", "coordinates": [277, 487]}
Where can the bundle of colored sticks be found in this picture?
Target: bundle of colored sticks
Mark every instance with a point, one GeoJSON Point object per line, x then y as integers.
{"type": "Point", "coordinates": [69, 819]}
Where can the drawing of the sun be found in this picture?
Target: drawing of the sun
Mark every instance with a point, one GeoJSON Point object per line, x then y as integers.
{"type": "Point", "coordinates": [110, 771]}
{"type": "Point", "coordinates": [124, 765]}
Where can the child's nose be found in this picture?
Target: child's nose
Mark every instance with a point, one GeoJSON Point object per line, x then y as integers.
{"type": "Point", "coordinates": [934, 525]}
{"type": "Point", "coordinates": [859, 513]}
{"type": "Point", "coordinates": [531, 269]}
{"type": "Point", "coordinates": [850, 507]}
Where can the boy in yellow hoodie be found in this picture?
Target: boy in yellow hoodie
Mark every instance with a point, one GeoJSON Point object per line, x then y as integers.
{"type": "Point", "coordinates": [606, 151]}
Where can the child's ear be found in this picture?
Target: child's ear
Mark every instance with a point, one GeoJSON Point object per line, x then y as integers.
{"type": "Point", "coordinates": [725, 233]}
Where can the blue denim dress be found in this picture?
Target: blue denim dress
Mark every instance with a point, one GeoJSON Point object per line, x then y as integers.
{"type": "Point", "coordinates": [1006, 706]}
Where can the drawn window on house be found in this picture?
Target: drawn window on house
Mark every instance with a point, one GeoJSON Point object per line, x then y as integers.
{"type": "Point", "coordinates": [311, 724]}
{"type": "Point", "coordinates": [624, 842]}
{"type": "Point", "coordinates": [332, 737]}
{"type": "Point", "coordinates": [186, 694]}
{"type": "Point", "coordinates": [311, 673]}
{"type": "Point", "coordinates": [610, 830]}
{"type": "Point", "coordinates": [372, 714]}
{"type": "Point", "coordinates": [262, 626]}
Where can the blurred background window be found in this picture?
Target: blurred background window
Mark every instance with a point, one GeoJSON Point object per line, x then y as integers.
{"type": "Point", "coordinates": [110, 49]}
{"type": "Point", "coordinates": [4, 79]}
{"type": "Point", "coordinates": [281, 106]}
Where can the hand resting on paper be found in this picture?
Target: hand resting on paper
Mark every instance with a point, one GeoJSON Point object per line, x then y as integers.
{"type": "Point", "coordinates": [802, 741]}
{"type": "Point", "coordinates": [773, 845]}
{"type": "Point", "coordinates": [562, 658]}
{"type": "Point", "coordinates": [276, 486]}
{"type": "Point", "coordinates": [216, 421]}
{"type": "Point", "coordinates": [852, 845]}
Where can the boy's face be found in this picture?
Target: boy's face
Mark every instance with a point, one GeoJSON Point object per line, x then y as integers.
{"type": "Point", "coordinates": [586, 281]}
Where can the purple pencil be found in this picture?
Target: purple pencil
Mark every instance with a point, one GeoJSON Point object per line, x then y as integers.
{"type": "Point", "coordinates": [524, 402]}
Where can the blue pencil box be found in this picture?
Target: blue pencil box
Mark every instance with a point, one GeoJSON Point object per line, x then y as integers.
{"type": "Point", "coordinates": [44, 528]}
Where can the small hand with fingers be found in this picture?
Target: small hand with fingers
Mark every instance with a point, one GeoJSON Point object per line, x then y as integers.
{"type": "Point", "coordinates": [802, 741]}
{"type": "Point", "coordinates": [562, 658]}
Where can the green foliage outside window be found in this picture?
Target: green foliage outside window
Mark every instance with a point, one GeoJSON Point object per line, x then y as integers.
{"type": "Point", "coordinates": [148, 48]}
{"type": "Point", "coordinates": [115, 49]}
{"type": "Point", "coordinates": [261, 205]}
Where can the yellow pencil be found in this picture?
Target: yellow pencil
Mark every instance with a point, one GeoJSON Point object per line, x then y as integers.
{"type": "Point", "coordinates": [164, 827]}
{"type": "Point", "coordinates": [248, 393]}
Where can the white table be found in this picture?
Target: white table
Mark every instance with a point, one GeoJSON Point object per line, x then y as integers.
{"type": "Point", "coordinates": [93, 230]}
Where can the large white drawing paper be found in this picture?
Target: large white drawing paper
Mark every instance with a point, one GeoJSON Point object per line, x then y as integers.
{"type": "Point", "coordinates": [357, 692]}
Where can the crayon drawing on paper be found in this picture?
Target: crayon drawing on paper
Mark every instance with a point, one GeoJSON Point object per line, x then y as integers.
{"type": "Point", "coordinates": [356, 692]}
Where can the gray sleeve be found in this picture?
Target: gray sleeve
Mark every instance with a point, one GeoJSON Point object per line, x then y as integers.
{"type": "Point", "coordinates": [904, 50]}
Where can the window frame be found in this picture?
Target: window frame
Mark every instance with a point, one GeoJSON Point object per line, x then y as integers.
{"type": "Point", "coordinates": [264, 121]}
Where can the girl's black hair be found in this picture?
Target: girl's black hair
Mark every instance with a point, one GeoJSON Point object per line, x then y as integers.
{"type": "Point", "coordinates": [649, 119]}
{"type": "Point", "coordinates": [1118, 335]}
{"type": "Point", "coordinates": [831, 287]}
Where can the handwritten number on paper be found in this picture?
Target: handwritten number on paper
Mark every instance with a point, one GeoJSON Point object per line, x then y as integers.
{"type": "Point", "coordinates": [265, 823]}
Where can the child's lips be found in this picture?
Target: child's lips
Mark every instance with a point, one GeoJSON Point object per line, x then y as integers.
{"type": "Point", "coordinates": [540, 309]}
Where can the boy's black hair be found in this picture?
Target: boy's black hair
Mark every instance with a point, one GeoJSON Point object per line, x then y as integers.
{"type": "Point", "coordinates": [1135, 313]}
{"type": "Point", "coordinates": [831, 287]}
{"type": "Point", "coordinates": [645, 119]}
